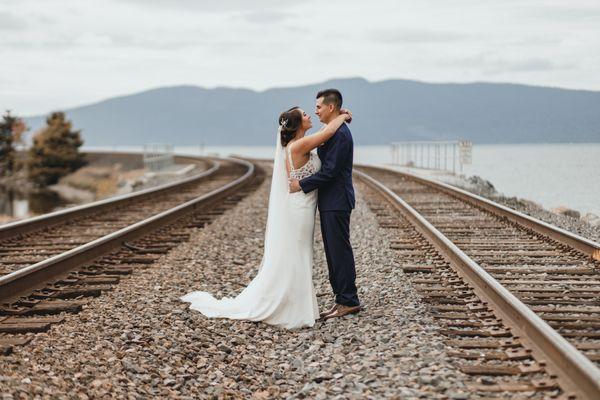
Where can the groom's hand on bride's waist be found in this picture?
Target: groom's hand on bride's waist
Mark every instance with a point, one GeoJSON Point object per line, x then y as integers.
{"type": "Point", "coordinates": [294, 185]}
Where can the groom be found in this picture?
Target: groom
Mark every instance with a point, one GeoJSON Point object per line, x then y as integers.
{"type": "Point", "coordinates": [336, 201]}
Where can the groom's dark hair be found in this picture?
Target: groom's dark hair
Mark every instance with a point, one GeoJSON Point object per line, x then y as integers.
{"type": "Point", "coordinates": [331, 96]}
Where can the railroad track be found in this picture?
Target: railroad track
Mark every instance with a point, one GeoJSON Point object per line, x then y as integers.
{"type": "Point", "coordinates": [518, 298]}
{"type": "Point", "coordinates": [54, 263]}
{"type": "Point", "coordinates": [15, 230]}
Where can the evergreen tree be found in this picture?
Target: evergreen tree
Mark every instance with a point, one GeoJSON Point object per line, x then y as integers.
{"type": "Point", "coordinates": [11, 129]}
{"type": "Point", "coordinates": [55, 151]}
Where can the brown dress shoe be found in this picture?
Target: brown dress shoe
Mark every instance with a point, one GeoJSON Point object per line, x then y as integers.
{"type": "Point", "coordinates": [332, 309]}
{"type": "Point", "coordinates": [341, 310]}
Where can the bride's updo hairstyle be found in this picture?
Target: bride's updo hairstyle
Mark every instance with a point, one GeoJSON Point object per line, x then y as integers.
{"type": "Point", "coordinates": [289, 121]}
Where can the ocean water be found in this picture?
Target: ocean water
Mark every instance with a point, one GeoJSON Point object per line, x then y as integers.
{"type": "Point", "coordinates": [550, 174]}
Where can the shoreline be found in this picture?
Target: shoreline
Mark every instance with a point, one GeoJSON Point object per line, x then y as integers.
{"type": "Point", "coordinates": [570, 223]}
{"type": "Point", "coordinates": [484, 188]}
{"type": "Point", "coordinates": [92, 183]}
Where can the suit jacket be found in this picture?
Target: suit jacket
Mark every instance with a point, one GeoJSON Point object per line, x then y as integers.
{"type": "Point", "coordinates": [334, 180]}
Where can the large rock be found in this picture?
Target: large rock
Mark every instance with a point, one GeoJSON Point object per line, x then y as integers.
{"type": "Point", "coordinates": [532, 204]}
{"type": "Point", "coordinates": [562, 210]}
{"type": "Point", "coordinates": [481, 186]}
{"type": "Point", "coordinates": [592, 219]}
{"type": "Point", "coordinates": [481, 183]}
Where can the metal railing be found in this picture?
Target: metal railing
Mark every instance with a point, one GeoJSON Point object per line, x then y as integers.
{"type": "Point", "coordinates": [440, 155]}
{"type": "Point", "coordinates": [158, 156]}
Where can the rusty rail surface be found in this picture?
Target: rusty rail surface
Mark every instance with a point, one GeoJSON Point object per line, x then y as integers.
{"type": "Point", "coordinates": [575, 372]}
{"type": "Point", "coordinates": [37, 275]}
{"type": "Point", "coordinates": [42, 221]}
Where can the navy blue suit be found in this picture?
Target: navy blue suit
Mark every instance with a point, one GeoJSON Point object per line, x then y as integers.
{"type": "Point", "coordinates": [336, 201]}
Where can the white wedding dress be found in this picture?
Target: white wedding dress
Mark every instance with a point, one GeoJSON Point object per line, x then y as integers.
{"type": "Point", "coordinates": [282, 293]}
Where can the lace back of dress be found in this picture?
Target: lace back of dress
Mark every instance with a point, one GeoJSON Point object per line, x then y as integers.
{"type": "Point", "coordinates": [304, 171]}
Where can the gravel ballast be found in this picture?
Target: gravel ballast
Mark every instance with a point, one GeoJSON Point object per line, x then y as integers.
{"type": "Point", "coordinates": [140, 341]}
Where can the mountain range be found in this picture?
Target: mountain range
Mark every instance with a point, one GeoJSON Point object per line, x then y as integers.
{"type": "Point", "coordinates": [385, 111]}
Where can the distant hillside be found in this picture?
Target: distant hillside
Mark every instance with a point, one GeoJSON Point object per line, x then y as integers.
{"type": "Point", "coordinates": [384, 111]}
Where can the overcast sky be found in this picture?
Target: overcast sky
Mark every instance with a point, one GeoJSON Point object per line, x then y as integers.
{"type": "Point", "coordinates": [61, 53]}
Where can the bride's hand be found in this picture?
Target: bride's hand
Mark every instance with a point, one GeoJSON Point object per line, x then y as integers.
{"type": "Point", "coordinates": [347, 114]}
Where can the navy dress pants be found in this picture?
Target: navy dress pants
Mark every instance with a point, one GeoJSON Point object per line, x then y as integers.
{"type": "Point", "coordinates": [335, 229]}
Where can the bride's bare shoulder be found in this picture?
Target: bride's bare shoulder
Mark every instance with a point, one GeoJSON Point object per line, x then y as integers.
{"type": "Point", "coordinates": [300, 147]}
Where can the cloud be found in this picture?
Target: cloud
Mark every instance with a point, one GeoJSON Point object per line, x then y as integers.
{"type": "Point", "coordinates": [139, 41]}
{"type": "Point", "coordinates": [96, 48]}
{"type": "Point", "coordinates": [528, 65]}
{"type": "Point", "coordinates": [92, 39]}
{"type": "Point", "coordinates": [217, 6]}
{"type": "Point", "coordinates": [548, 40]}
{"type": "Point", "coordinates": [266, 17]}
{"type": "Point", "coordinates": [9, 22]}
{"type": "Point", "coordinates": [493, 65]}
{"type": "Point", "coordinates": [102, 42]}
{"type": "Point", "coordinates": [569, 13]}
{"type": "Point", "coordinates": [392, 36]}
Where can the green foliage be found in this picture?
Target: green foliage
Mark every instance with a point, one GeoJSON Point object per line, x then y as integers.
{"type": "Point", "coordinates": [11, 129]}
{"type": "Point", "coordinates": [55, 151]}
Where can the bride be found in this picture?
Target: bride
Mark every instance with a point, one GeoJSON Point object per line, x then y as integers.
{"type": "Point", "coordinates": [282, 293]}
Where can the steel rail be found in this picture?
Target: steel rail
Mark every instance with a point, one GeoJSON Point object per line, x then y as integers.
{"type": "Point", "coordinates": [575, 372]}
{"type": "Point", "coordinates": [586, 246]}
{"type": "Point", "coordinates": [29, 278]}
{"type": "Point", "coordinates": [42, 221]}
